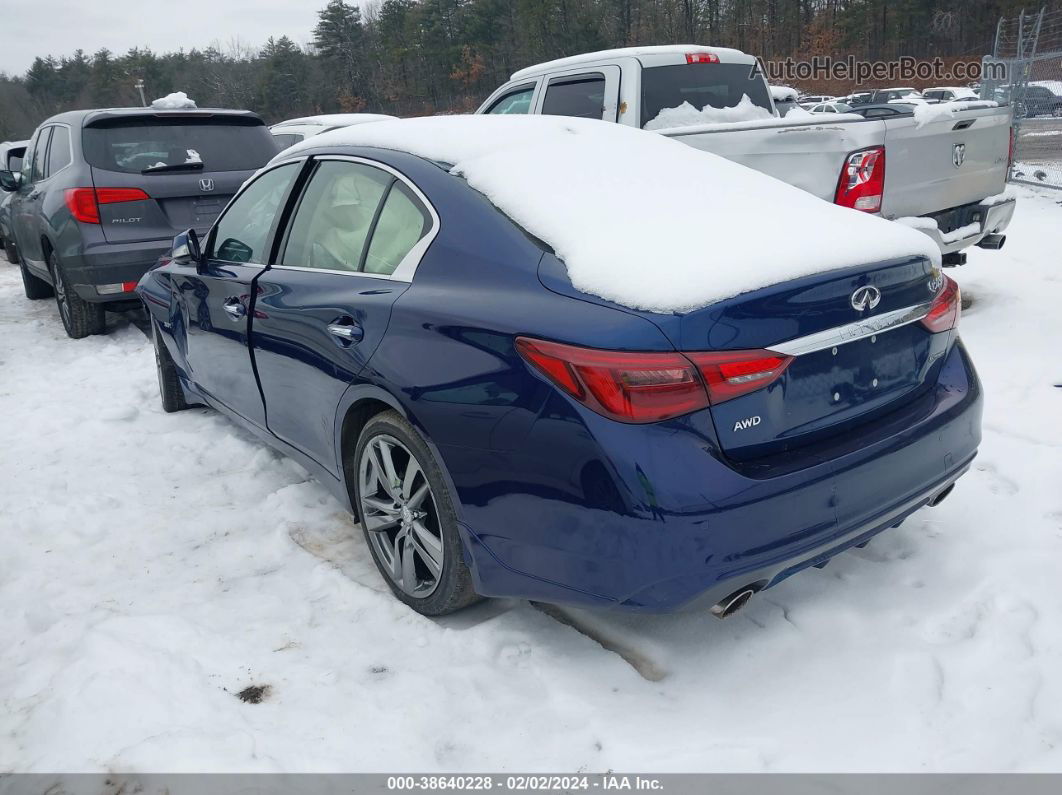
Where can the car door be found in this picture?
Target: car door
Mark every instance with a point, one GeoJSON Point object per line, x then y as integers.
{"type": "Point", "coordinates": [215, 297]}
{"type": "Point", "coordinates": [26, 205]}
{"type": "Point", "coordinates": [355, 237]}
{"type": "Point", "coordinates": [587, 93]}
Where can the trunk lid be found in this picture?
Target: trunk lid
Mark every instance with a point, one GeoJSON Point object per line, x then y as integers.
{"type": "Point", "coordinates": [189, 164]}
{"type": "Point", "coordinates": [848, 366]}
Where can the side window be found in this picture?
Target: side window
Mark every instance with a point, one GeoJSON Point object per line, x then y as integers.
{"type": "Point", "coordinates": [242, 234]}
{"type": "Point", "coordinates": [582, 96]}
{"type": "Point", "coordinates": [335, 215]}
{"type": "Point", "coordinates": [59, 153]}
{"type": "Point", "coordinates": [27, 158]}
{"type": "Point", "coordinates": [37, 166]}
{"type": "Point", "coordinates": [516, 101]}
{"type": "Point", "coordinates": [403, 222]}
{"type": "Point", "coordinates": [284, 140]}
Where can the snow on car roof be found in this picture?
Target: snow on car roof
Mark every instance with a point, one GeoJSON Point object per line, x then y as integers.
{"type": "Point", "coordinates": [637, 218]}
{"type": "Point", "coordinates": [726, 55]}
{"type": "Point", "coordinates": [336, 119]}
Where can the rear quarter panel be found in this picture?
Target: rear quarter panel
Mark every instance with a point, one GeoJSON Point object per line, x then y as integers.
{"type": "Point", "coordinates": [808, 156]}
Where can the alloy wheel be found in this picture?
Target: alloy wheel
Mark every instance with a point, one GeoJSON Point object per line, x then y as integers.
{"type": "Point", "coordinates": [399, 512]}
{"type": "Point", "coordinates": [60, 296]}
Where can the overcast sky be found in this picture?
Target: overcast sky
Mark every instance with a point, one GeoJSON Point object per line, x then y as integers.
{"type": "Point", "coordinates": [29, 28]}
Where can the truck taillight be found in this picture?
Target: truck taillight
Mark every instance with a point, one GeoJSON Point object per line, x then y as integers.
{"type": "Point", "coordinates": [83, 203]}
{"type": "Point", "coordinates": [632, 386]}
{"type": "Point", "coordinates": [862, 182]}
{"type": "Point", "coordinates": [702, 57]}
{"type": "Point", "coordinates": [1010, 152]}
{"type": "Point", "coordinates": [944, 312]}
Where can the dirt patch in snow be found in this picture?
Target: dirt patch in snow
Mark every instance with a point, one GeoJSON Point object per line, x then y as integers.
{"type": "Point", "coordinates": [254, 694]}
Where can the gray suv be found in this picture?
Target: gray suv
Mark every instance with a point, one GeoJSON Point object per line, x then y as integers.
{"type": "Point", "coordinates": [101, 194]}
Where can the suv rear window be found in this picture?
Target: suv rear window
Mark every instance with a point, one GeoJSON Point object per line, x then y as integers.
{"type": "Point", "coordinates": [144, 143]}
{"type": "Point", "coordinates": [720, 85]}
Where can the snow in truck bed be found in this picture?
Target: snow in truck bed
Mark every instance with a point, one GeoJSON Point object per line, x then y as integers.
{"type": "Point", "coordinates": [639, 219]}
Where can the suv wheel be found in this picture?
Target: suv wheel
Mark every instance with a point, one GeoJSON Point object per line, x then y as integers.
{"type": "Point", "coordinates": [35, 288]}
{"type": "Point", "coordinates": [408, 517]}
{"type": "Point", "coordinates": [11, 251]}
{"type": "Point", "coordinates": [80, 317]}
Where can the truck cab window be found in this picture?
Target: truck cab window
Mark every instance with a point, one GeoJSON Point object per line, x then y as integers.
{"type": "Point", "coordinates": [582, 96]}
{"type": "Point", "coordinates": [516, 101]}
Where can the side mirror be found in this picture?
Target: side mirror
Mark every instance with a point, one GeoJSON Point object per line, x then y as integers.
{"type": "Point", "coordinates": [233, 250]}
{"type": "Point", "coordinates": [185, 249]}
{"type": "Point", "coordinates": [9, 180]}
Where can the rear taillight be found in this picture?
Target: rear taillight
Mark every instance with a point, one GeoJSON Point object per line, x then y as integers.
{"type": "Point", "coordinates": [702, 57]}
{"type": "Point", "coordinates": [649, 387]}
{"type": "Point", "coordinates": [630, 387]}
{"type": "Point", "coordinates": [944, 312]}
{"type": "Point", "coordinates": [730, 374]}
{"type": "Point", "coordinates": [862, 181]}
{"type": "Point", "coordinates": [83, 203]}
{"type": "Point", "coordinates": [1010, 152]}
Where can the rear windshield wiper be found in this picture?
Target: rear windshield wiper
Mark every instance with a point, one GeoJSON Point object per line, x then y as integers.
{"type": "Point", "coordinates": [193, 166]}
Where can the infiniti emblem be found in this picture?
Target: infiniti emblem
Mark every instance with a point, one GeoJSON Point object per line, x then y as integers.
{"type": "Point", "coordinates": [206, 184]}
{"type": "Point", "coordinates": [866, 298]}
{"type": "Point", "coordinates": [958, 154]}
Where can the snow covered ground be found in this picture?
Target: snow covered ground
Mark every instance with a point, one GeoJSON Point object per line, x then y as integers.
{"type": "Point", "coordinates": [155, 565]}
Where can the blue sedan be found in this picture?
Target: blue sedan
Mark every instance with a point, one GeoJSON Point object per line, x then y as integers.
{"type": "Point", "coordinates": [500, 432]}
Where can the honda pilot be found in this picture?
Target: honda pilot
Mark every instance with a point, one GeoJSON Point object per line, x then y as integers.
{"type": "Point", "coordinates": [101, 194]}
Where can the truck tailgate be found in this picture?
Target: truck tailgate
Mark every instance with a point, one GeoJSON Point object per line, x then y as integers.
{"type": "Point", "coordinates": [945, 162]}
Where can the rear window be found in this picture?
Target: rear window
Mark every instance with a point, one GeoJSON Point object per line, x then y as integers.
{"type": "Point", "coordinates": [150, 143]}
{"type": "Point", "coordinates": [720, 85]}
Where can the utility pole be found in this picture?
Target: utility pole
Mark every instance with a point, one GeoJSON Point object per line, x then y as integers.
{"type": "Point", "coordinates": [140, 87]}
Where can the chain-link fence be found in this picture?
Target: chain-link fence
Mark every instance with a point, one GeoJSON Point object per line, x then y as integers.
{"type": "Point", "coordinates": [1030, 45]}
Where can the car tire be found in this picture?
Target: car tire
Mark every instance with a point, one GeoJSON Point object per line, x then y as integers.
{"type": "Point", "coordinates": [411, 533]}
{"type": "Point", "coordinates": [170, 389]}
{"type": "Point", "coordinates": [10, 251]}
{"type": "Point", "coordinates": [80, 318]}
{"type": "Point", "coordinates": [1057, 112]}
{"type": "Point", "coordinates": [34, 287]}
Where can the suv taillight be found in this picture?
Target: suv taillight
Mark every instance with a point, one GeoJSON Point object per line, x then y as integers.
{"type": "Point", "coordinates": [862, 182]}
{"type": "Point", "coordinates": [83, 203]}
{"type": "Point", "coordinates": [946, 308]}
{"type": "Point", "coordinates": [649, 387]}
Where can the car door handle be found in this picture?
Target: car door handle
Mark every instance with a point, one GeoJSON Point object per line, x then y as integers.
{"type": "Point", "coordinates": [348, 331]}
{"type": "Point", "coordinates": [234, 308]}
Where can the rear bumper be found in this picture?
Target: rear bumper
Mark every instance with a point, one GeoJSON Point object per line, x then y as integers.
{"type": "Point", "coordinates": [111, 263]}
{"type": "Point", "coordinates": [663, 524]}
{"type": "Point", "coordinates": [991, 219]}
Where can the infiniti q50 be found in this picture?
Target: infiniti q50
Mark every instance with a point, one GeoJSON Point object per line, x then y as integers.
{"type": "Point", "coordinates": [500, 431]}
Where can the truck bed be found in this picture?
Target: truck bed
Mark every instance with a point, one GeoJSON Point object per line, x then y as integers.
{"type": "Point", "coordinates": [921, 174]}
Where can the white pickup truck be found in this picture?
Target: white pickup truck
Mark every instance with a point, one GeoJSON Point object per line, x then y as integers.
{"type": "Point", "coordinates": [943, 171]}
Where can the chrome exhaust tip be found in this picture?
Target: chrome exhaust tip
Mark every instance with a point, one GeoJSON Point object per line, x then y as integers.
{"type": "Point", "coordinates": [940, 496]}
{"type": "Point", "coordinates": [994, 242]}
{"type": "Point", "coordinates": [731, 604]}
